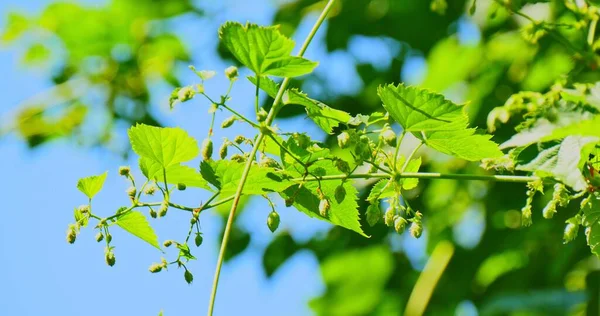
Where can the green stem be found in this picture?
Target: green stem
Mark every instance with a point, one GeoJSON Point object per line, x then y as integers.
{"type": "Point", "coordinates": [238, 115]}
{"type": "Point", "coordinates": [592, 32]}
{"type": "Point", "coordinates": [257, 94]}
{"type": "Point", "coordinates": [412, 154]}
{"type": "Point", "coordinates": [398, 143]}
{"type": "Point", "coordinates": [257, 143]}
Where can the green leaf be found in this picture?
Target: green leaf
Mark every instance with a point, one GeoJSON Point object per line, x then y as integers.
{"type": "Point", "coordinates": [381, 190]}
{"type": "Point", "coordinates": [166, 146]}
{"type": "Point", "coordinates": [368, 120]}
{"type": "Point", "coordinates": [136, 224]}
{"type": "Point", "coordinates": [342, 212]}
{"type": "Point", "coordinates": [80, 217]}
{"type": "Point", "coordinates": [225, 175]}
{"type": "Point", "coordinates": [324, 116]}
{"type": "Point", "coordinates": [412, 166]}
{"type": "Point", "coordinates": [591, 219]}
{"type": "Point", "coordinates": [90, 186]}
{"type": "Point", "coordinates": [175, 174]}
{"type": "Point", "coordinates": [562, 161]}
{"type": "Point", "coordinates": [264, 50]}
{"type": "Point", "coordinates": [267, 85]}
{"type": "Point", "coordinates": [304, 149]}
{"type": "Point", "coordinates": [439, 123]}
{"type": "Point", "coordinates": [589, 127]}
{"type": "Point", "coordinates": [184, 251]}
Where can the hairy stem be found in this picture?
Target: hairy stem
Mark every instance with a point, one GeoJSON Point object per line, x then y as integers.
{"type": "Point", "coordinates": [257, 143]}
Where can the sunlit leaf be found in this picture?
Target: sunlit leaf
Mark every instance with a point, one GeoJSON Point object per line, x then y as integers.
{"type": "Point", "coordinates": [136, 224]}
{"type": "Point", "coordinates": [166, 146]}
{"type": "Point", "coordinates": [90, 186]}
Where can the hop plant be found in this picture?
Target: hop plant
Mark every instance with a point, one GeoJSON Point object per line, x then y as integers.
{"type": "Point", "coordinates": [324, 207]}
{"type": "Point", "coordinates": [223, 150]}
{"type": "Point", "coordinates": [131, 192]}
{"type": "Point", "coordinates": [269, 162]}
{"type": "Point", "coordinates": [198, 239]}
{"type": "Point", "coordinates": [189, 278]}
{"type": "Point", "coordinates": [388, 217]}
{"type": "Point", "coordinates": [150, 190]}
{"type": "Point", "coordinates": [124, 171]}
{"type": "Point", "coordinates": [109, 257]}
{"type": "Point", "coordinates": [185, 94]}
{"type": "Point", "coordinates": [181, 186]}
{"type": "Point", "coordinates": [207, 149]}
{"type": "Point", "coordinates": [164, 208]}
{"type": "Point", "coordinates": [373, 214]}
{"type": "Point", "coordinates": [155, 268]}
{"type": "Point", "coordinates": [167, 243]}
{"type": "Point", "coordinates": [99, 237]}
{"type": "Point", "coordinates": [273, 221]}
{"type": "Point", "coordinates": [71, 234]}
{"type": "Point", "coordinates": [261, 116]}
{"type": "Point", "coordinates": [343, 140]}
{"type": "Point", "coordinates": [239, 139]}
{"type": "Point", "coordinates": [400, 225]}
{"type": "Point", "coordinates": [342, 166]}
{"type": "Point", "coordinates": [228, 122]}
{"type": "Point", "coordinates": [231, 72]}
{"type": "Point", "coordinates": [389, 137]}
{"type": "Point", "coordinates": [416, 229]}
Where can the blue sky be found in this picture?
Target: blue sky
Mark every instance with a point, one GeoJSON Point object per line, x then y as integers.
{"type": "Point", "coordinates": [43, 275]}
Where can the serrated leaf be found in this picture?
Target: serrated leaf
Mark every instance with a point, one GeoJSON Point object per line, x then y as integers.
{"type": "Point", "coordinates": [324, 116]}
{"type": "Point", "coordinates": [90, 186]}
{"type": "Point", "coordinates": [412, 166]}
{"type": "Point", "coordinates": [136, 224]}
{"type": "Point", "coordinates": [439, 123]}
{"type": "Point", "coordinates": [166, 146]}
{"type": "Point", "coordinates": [175, 174]}
{"type": "Point", "coordinates": [267, 85]}
{"type": "Point", "coordinates": [343, 213]}
{"type": "Point", "coordinates": [184, 251]}
{"type": "Point", "coordinates": [562, 161]}
{"type": "Point", "coordinates": [591, 219]}
{"type": "Point", "coordinates": [368, 120]}
{"type": "Point", "coordinates": [304, 149]}
{"type": "Point", "coordinates": [264, 50]}
{"type": "Point", "coordinates": [226, 175]}
{"type": "Point", "coordinates": [381, 190]}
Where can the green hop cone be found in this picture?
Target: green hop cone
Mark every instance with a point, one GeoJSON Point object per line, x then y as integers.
{"type": "Point", "coordinates": [150, 190]}
{"type": "Point", "coordinates": [198, 239]}
{"type": "Point", "coordinates": [131, 192]}
{"type": "Point", "coordinates": [273, 221]}
{"type": "Point", "coordinates": [167, 243]}
{"type": "Point", "coordinates": [373, 214]}
{"type": "Point", "coordinates": [526, 216]}
{"type": "Point", "coordinates": [223, 150]}
{"type": "Point", "coordinates": [239, 139]}
{"type": "Point", "coordinates": [155, 268]}
{"type": "Point", "coordinates": [124, 171]}
{"type": "Point", "coordinates": [570, 233]}
{"type": "Point", "coordinates": [109, 256]}
{"type": "Point", "coordinates": [189, 278]}
{"type": "Point", "coordinates": [416, 229]}
{"type": "Point", "coordinates": [261, 116]}
{"type": "Point", "coordinates": [228, 121]}
{"type": "Point", "coordinates": [71, 234]}
{"type": "Point", "coordinates": [193, 220]}
{"type": "Point", "coordinates": [99, 237]}
{"type": "Point", "coordinates": [389, 137]}
{"type": "Point", "coordinates": [289, 202]}
{"type": "Point", "coordinates": [108, 238]}
{"type": "Point", "coordinates": [238, 158]}
{"type": "Point", "coordinates": [324, 207]}
{"type": "Point", "coordinates": [340, 193]}
{"type": "Point", "coordinates": [185, 94]}
{"type": "Point", "coordinates": [164, 208]}
{"type": "Point", "coordinates": [231, 72]}
{"type": "Point", "coordinates": [153, 213]}
{"type": "Point", "coordinates": [388, 217]}
{"type": "Point", "coordinates": [269, 162]}
{"type": "Point", "coordinates": [181, 186]}
{"type": "Point", "coordinates": [343, 140]}
{"type": "Point", "coordinates": [207, 149]}
{"type": "Point", "coordinates": [550, 209]}
{"type": "Point", "coordinates": [400, 225]}
{"type": "Point", "coordinates": [342, 166]}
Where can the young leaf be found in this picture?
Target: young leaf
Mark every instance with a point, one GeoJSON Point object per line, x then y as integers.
{"type": "Point", "coordinates": [591, 219]}
{"type": "Point", "coordinates": [324, 116]}
{"type": "Point", "coordinates": [166, 146]}
{"type": "Point", "coordinates": [562, 161]}
{"type": "Point", "coordinates": [184, 251]}
{"type": "Point", "coordinates": [267, 85]}
{"type": "Point", "coordinates": [136, 224]}
{"type": "Point", "coordinates": [439, 123]}
{"type": "Point", "coordinates": [264, 50]}
{"type": "Point", "coordinates": [341, 212]}
{"type": "Point", "coordinates": [90, 186]}
{"type": "Point", "coordinates": [175, 174]}
{"type": "Point", "coordinates": [412, 166]}
{"type": "Point", "coordinates": [381, 190]}
{"type": "Point", "coordinates": [225, 175]}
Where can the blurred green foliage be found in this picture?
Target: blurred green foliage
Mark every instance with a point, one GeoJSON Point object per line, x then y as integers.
{"type": "Point", "coordinates": [498, 266]}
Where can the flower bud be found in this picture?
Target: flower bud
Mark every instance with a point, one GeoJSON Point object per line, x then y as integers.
{"type": "Point", "coordinates": [400, 225]}
{"type": "Point", "coordinates": [342, 166]}
{"type": "Point", "coordinates": [261, 116]}
{"type": "Point", "coordinates": [193, 220]}
{"type": "Point", "coordinates": [155, 267]}
{"type": "Point", "coordinates": [198, 240]}
{"type": "Point", "coordinates": [273, 221]}
{"type": "Point", "coordinates": [181, 186]}
{"type": "Point", "coordinates": [150, 190]}
{"type": "Point", "coordinates": [223, 150]}
{"type": "Point", "coordinates": [269, 162]}
{"type": "Point", "coordinates": [131, 192]}
{"type": "Point", "coordinates": [85, 208]}
{"type": "Point", "coordinates": [71, 234]}
{"type": "Point", "coordinates": [389, 137]}
{"type": "Point", "coordinates": [185, 94]}
{"type": "Point", "coordinates": [189, 278]}
{"type": "Point", "coordinates": [109, 256]}
{"type": "Point", "coordinates": [228, 121]}
{"type": "Point", "coordinates": [231, 72]}
{"type": "Point", "coordinates": [388, 217]}
{"type": "Point", "coordinates": [167, 243]}
{"type": "Point", "coordinates": [324, 207]}
{"type": "Point", "coordinates": [239, 139]}
{"type": "Point", "coordinates": [108, 238]}
{"type": "Point", "coordinates": [164, 208]}
{"type": "Point", "coordinates": [207, 149]}
{"type": "Point", "coordinates": [238, 158]}
{"type": "Point", "coordinates": [416, 229]}
{"type": "Point", "coordinates": [99, 237]}
{"type": "Point", "coordinates": [153, 213]}
{"type": "Point", "coordinates": [343, 140]}
{"type": "Point", "coordinates": [526, 216]}
{"type": "Point", "coordinates": [373, 214]}
{"type": "Point", "coordinates": [289, 202]}
{"type": "Point", "coordinates": [570, 232]}
{"type": "Point", "coordinates": [124, 171]}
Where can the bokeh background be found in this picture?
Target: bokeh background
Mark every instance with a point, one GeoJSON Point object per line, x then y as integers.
{"type": "Point", "coordinates": [77, 74]}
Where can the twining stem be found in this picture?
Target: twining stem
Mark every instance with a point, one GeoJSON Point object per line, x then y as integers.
{"type": "Point", "coordinates": [257, 143]}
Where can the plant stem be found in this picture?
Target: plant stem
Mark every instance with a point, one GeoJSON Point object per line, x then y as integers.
{"type": "Point", "coordinates": [412, 154]}
{"type": "Point", "coordinates": [257, 143]}
{"type": "Point", "coordinates": [422, 175]}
